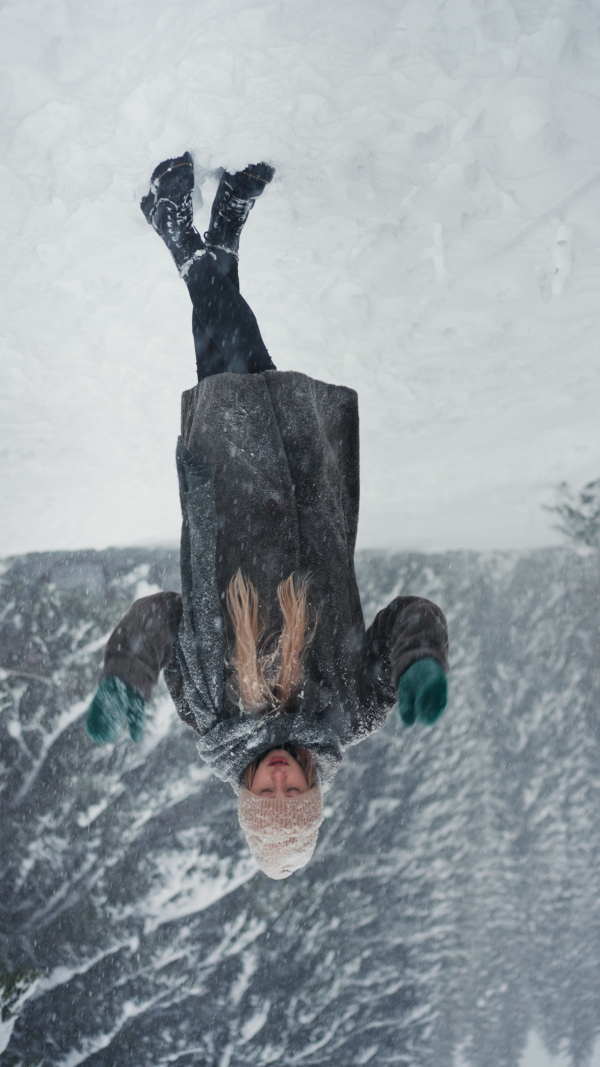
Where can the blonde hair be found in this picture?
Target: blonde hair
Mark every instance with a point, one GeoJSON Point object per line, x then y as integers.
{"type": "Point", "coordinates": [266, 680]}
{"type": "Point", "coordinates": [303, 757]}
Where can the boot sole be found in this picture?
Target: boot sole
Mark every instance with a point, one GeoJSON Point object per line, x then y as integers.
{"type": "Point", "coordinates": [179, 184]}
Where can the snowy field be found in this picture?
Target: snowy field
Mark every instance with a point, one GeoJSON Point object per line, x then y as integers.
{"type": "Point", "coordinates": [432, 238]}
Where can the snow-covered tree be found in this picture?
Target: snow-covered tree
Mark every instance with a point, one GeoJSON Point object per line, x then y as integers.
{"type": "Point", "coordinates": [579, 515]}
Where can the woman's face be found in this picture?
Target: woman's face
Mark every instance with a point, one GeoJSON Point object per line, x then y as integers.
{"type": "Point", "coordinates": [279, 775]}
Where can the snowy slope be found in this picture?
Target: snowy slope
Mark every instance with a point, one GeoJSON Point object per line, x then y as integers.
{"type": "Point", "coordinates": [431, 238]}
{"type": "Point", "coordinates": [451, 910]}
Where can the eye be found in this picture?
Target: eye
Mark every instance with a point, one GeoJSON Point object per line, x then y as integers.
{"type": "Point", "coordinates": [292, 789]}
{"type": "Point", "coordinates": [264, 791]}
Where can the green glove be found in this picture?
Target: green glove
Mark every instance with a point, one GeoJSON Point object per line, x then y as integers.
{"type": "Point", "coordinates": [422, 692]}
{"type": "Point", "coordinates": [114, 706]}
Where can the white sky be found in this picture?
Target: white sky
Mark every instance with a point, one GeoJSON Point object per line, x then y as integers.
{"type": "Point", "coordinates": [432, 238]}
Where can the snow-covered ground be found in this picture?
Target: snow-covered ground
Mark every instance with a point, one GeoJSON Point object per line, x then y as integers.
{"type": "Point", "coordinates": [432, 238]}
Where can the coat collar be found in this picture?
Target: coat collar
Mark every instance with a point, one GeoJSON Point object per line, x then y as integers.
{"type": "Point", "coordinates": [233, 743]}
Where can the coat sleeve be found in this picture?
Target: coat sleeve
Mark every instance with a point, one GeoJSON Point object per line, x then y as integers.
{"type": "Point", "coordinates": [141, 645]}
{"type": "Point", "coordinates": [409, 629]}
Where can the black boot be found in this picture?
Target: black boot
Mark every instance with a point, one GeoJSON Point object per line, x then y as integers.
{"type": "Point", "coordinates": [168, 209]}
{"type": "Point", "coordinates": [234, 198]}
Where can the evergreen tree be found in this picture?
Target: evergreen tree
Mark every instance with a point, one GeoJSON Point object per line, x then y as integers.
{"type": "Point", "coordinates": [579, 516]}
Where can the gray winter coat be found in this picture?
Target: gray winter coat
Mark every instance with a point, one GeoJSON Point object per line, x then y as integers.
{"type": "Point", "coordinates": [269, 483]}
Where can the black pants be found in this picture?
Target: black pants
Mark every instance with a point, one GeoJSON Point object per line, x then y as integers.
{"type": "Point", "coordinates": [226, 333]}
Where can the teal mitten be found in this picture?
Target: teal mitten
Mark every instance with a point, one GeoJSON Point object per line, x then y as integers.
{"type": "Point", "coordinates": [114, 706]}
{"type": "Point", "coordinates": [422, 692]}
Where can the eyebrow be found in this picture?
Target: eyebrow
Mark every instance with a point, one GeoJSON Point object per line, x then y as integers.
{"type": "Point", "coordinates": [290, 789]}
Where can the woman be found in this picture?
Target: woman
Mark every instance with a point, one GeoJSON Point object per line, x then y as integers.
{"type": "Point", "coordinates": [265, 653]}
